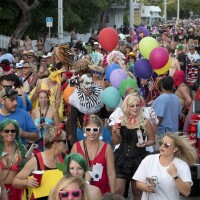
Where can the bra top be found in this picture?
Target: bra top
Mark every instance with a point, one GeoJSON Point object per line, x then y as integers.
{"type": "Point", "coordinates": [16, 160]}
{"type": "Point", "coordinates": [47, 120]}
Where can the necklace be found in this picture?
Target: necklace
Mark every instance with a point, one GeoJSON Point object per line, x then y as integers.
{"type": "Point", "coordinates": [87, 155]}
{"type": "Point", "coordinates": [42, 116]}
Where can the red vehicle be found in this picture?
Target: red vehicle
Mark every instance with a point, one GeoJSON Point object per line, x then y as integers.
{"type": "Point", "coordinates": [192, 130]}
{"type": "Point", "coordinates": [192, 122]}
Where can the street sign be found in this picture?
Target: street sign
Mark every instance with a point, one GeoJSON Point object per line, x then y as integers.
{"type": "Point", "coordinates": [49, 21]}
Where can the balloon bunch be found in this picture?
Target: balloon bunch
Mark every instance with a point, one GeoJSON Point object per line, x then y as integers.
{"type": "Point", "coordinates": [155, 59]}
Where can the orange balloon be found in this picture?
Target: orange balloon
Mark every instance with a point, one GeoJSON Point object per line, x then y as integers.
{"type": "Point", "coordinates": [67, 92]}
{"type": "Point", "coordinates": [164, 69]}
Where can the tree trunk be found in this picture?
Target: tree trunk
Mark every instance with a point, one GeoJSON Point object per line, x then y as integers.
{"type": "Point", "coordinates": [25, 19]}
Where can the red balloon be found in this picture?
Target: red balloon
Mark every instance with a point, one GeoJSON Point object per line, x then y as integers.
{"type": "Point", "coordinates": [108, 38]}
{"type": "Point", "coordinates": [158, 57]}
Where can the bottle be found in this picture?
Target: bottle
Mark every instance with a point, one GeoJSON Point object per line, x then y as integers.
{"type": "Point", "coordinates": [140, 137]}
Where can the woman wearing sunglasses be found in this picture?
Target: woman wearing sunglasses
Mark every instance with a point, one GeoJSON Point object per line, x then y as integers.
{"type": "Point", "coordinates": [99, 155]}
{"type": "Point", "coordinates": [166, 175]}
{"type": "Point", "coordinates": [72, 188]}
{"type": "Point", "coordinates": [12, 153]}
{"type": "Point", "coordinates": [97, 75]}
{"type": "Point", "coordinates": [134, 134]}
{"type": "Point", "coordinates": [76, 165]}
{"type": "Point", "coordinates": [55, 146]}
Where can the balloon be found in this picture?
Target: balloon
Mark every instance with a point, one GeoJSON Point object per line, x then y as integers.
{"type": "Point", "coordinates": [158, 57]}
{"type": "Point", "coordinates": [108, 38]}
{"type": "Point", "coordinates": [110, 68]}
{"type": "Point", "coordinates": [164, 69]}
{"type": "Point", "coordinates": [67, 92]}
{"type": "Point", "coordinates": [111, 97]}
{"type": "Point", "coordinates": [143, 68]}
{"type": "Point", "coordinates": [126, 84]}
{"type": "Point", "coordinates": [146, 45]}
{"type": "Point", "coordinates": [117, 76]}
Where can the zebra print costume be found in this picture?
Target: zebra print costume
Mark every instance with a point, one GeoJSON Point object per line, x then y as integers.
{"type": "Point", "coordinates": [87, 104]}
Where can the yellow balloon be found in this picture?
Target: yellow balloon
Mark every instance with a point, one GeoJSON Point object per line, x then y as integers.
{"type": "Point", "coordinates": [146, 45]}
{"type": "Point", "coordinates": [164, 69]}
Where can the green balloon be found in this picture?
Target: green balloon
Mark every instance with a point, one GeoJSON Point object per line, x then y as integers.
{"type": "Point", "coordinates": [146, 45]}
{"type": "Point", "coordinates": [126, 84]}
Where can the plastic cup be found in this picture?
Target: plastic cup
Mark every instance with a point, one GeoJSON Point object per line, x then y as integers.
{"type": "Point", "coordinates": [38, 176]}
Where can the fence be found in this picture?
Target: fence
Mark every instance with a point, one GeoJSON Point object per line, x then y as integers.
{"type": "Point", "coordinates": [67, 38]}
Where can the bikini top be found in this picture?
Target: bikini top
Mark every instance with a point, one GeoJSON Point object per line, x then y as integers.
{"type": "Point", "coordinates": [13, 166]}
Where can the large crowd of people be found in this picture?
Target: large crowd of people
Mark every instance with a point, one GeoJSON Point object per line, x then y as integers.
{"type": "Point", "coordinates": [54, 119]}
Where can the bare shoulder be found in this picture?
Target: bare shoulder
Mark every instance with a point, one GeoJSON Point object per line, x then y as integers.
{"type": "Point", "coordinates": [94, 192]}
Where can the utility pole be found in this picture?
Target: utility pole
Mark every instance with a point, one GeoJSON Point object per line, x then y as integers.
{"type": "Point", "coordinates": [165, 10]}
{"type": "Point", "coordinates": [60, 21]}
{"type": "Point", "coordinates": [131, 13]}
{"type": "Point", "coordinates": [178, 9]}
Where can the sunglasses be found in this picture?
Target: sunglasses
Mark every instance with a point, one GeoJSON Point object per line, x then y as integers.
{"type": "Point", "coordinates": [95, 129]}
{"type": "Point", "coordinates": [96, 72]}
{"type": "Point", "coordinates": [166, 144]}
{"type": "Point", "coordinates": [9, 131]}
{"type": "Point", "coordinates": [64, 141]}
{"type": "Point", "coordinates": [133, 105]}
{"type": "Point", "coordinates": [7, 86]}
{"type": "Point", "coordinates": [42, 60]}
{"type": "Point", "coordinates": [25, 67]}
{"type": "Point", "coordinates": [70, 193]}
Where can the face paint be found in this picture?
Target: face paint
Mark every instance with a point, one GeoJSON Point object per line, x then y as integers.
{"type": "Point", "coordinates": [86, 82]}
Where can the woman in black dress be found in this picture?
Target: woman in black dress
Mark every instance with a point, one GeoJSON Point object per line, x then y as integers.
{"type": "Point", "coordinates": [133, 134]}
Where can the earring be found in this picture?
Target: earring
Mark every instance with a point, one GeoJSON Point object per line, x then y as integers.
{"type": "Point", "coordinates": [84, 134]}
{"type": "Point", "coordinates": [2, 139]}
{"type": "Point", "coordinates": [100, 137]}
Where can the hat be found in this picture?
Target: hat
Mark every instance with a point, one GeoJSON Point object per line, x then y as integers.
{"type": "Point", "coordinates": [6, 65]}
{"type": "Point", "coordinates": [132, 54]}
{"type": "Point", "coordinates": [31, 53]}
{"type": "Point", "coordinates": [180, 47]}
{"type": "Point", "coordinates": [20, 64]}
{"type": "Point", "coordinates": [179, 77]}
{"type": "Point", "coordinates": [190, 30]}
{"type": "Point", "coordinates": [7, 92]}
{"type": "Point", "coordinates": [48, 55]}
{"type": "Point", "coordinates": [97, 68]}
{"type": "Point", "coordinates": [24, 52]}
{"type": "Point", "coordinates": [191, 46]}
{"type": "Point", "coordinates": [78, 46]}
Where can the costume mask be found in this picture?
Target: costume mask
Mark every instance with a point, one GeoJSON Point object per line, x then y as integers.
{"type": "Point", "coordinates": [86, 82]}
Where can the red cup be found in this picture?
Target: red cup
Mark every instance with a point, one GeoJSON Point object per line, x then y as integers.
{"type": "Point", "coordinates": [38, 175]}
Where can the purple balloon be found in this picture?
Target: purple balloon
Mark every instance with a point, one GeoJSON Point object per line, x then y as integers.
{"type": "Point", "coordinates": [143, 68]}
{"type": "Point", "coordinates": [117, 76]}
{"type": "Point", "coordinates": [158, 57]}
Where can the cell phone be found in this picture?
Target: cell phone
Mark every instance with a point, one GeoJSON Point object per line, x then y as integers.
{"type": "Point", "coordinates": [30, 151]}
{"type": "Point", "coordinates": [3, 154]}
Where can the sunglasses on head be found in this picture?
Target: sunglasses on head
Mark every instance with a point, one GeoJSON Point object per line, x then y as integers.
{"type": "Point", "coordinates": [94, 129]}
{"type": "Point", "coordinates": [9, 131]}
{"type": "Point", "coordinates": [166, 144]}
{"type": "Point", "coordinates": [70, 193]}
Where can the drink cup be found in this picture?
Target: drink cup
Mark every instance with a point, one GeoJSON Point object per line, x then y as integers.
{"type": "Point", "coordinates": [140, 137]}
{"type": "Point", "coordinates": [38, 175]}
{"type": "Point", "coordinates": [153, 181]}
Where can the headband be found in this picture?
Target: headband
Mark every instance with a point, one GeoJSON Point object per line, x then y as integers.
{"type": "Point", "coordinates": [59, 130]}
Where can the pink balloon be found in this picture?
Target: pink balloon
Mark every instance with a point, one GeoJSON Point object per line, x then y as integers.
{"type": "Point", "coordinates": [158, 57]}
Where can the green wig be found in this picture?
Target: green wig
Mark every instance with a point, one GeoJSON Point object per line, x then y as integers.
{"type": "Point", "coordinates": [77, 158]}
{"type": "Point", "coordinates": [18, 142]}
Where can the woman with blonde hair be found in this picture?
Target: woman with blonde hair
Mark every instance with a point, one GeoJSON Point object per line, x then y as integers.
{"type": "Point", "coordinates": [166, 175]}
{"type": "Point", "coordinates": [55, 147]}
{"type": "Point", "coordinates": [134, 134]}
{"type": "Point", "coordinates": [99, 155]}
{"type": "Point", "coordinates": [70, 187]}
